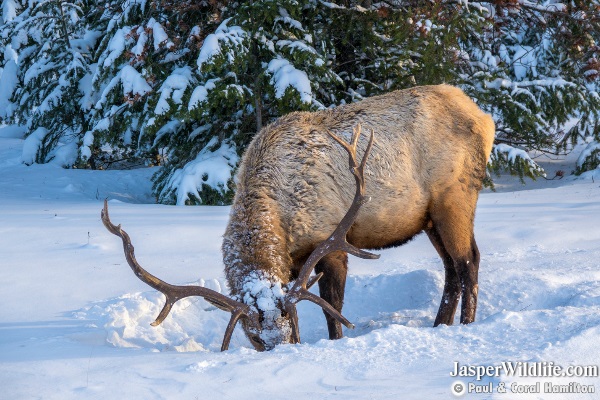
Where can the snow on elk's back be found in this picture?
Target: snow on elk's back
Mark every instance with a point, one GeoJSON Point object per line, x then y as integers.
{"type": "Point", "coordinates": [75, 321]}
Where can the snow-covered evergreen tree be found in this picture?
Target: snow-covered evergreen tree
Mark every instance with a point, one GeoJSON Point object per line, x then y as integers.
{"type": "Point", "coordinates": [586, 23]}
{"type": "Point", "coordinates": [532, 73]}
{"type": "Point", "coordinates": [9, 79]}
{"type": "Point", "coordinates": [192, 96]}
{"type": "Point", "coordinates": [143, 44]}
{"type": "Point", "coordinates": [51, 50]}
{"type": "Point", "coordinates": [530, 64]}
{"type": "Point", "coordinates": [260, 63]}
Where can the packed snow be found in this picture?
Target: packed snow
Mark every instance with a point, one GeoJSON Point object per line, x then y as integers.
{"type": "Point", "coordinates": [75, 321]}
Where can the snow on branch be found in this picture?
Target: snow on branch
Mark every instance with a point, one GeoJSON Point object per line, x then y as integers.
{"type": "Point", "coordinates": [286, 75]}
{"type": "Point", "coordinates": [552, 7]}
{"type": "Point", "coordinates": [132, 81]}
{"type": "Point", "coordinates": [9, 82]}
{"type": "Point", "coordinates": [590, 150]}
{"type": "Point", "coordinates": [173, 88]}
{"type": "Point", "coordinates": [127, 7]}
{"type": "Point", "coordinates": [517, 160]}
{"type": "Point", "coordinates": [200, 93]}
{"type": "Point", "coordinates": [159, 35]}
{"type": "Point", "coordinates": [32, 145]}
{"type": "Point", "coordinates": [9, 10]}
{"type": "Point", "coordinates": [211, 167]}
{"type": "Point", "coordinates": [500, 83]}
{"type": "Point", "coordinates": [116, 46]}
{"type": "Point", "coordinates": [224, 35]}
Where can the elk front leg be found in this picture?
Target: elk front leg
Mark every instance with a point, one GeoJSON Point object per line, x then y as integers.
{"type": "Point", "coordinates": [332, 285]}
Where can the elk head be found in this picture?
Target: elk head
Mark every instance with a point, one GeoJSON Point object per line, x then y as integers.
{"type": "Point", "coordinates": [276, 322]}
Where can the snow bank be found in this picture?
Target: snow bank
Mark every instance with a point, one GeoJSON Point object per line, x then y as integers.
{"type": "Point", "coordinates": [65, 154]}
{"type": "Point", "coordinates": [193, 325]}
{"type": "Point", "coordinates": [12, 131]}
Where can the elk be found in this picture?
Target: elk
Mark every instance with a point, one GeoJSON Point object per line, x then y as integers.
{"type": "Point", "coordinates": [297, 210]}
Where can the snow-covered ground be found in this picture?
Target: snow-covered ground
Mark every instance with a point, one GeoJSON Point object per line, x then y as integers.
{"type": "Point", "coordinates": [74, 320]}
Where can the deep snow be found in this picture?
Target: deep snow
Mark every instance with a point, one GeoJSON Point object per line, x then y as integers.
{"type": "Point", "coordinates": [74, 320]}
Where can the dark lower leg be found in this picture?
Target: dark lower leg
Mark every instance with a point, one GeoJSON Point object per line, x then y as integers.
{"type": "Point", "coordinates": [450, 298]}
{"type": "Point", "coordinates": [469, 303]}
{"type": "Point", "coordinates": [468, 271]}
{"type": "Point", "coordinates": [451, 293]}
{"type": "Point", "coordinates": [452, 215]}
{"type": "Point", "coordinates": [331, 287]}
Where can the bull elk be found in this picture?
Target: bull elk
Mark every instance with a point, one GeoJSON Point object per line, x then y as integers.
{"type": "Point", "coordinates": [425, 172]}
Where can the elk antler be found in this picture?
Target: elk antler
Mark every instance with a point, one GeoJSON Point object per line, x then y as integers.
{"type": "Point", "coordinates": [335, 242]}
{"type": "Point", "coordinates": [175, 293]}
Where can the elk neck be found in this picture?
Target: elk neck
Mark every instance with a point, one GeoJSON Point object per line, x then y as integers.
{"type": "Point", "coordinates": [254, 244]}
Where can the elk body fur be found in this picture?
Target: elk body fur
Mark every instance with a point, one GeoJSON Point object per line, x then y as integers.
{"type": "Point", "coordinates": [293, 187]}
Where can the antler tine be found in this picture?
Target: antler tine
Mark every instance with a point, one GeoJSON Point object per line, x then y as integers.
{"type": "Point", "coordinates": [335, 242]}
{"type": "Point", "coordinates": [349, 147]}
{"type": "Point", "coordinates": [355, 135]}
{"type": "Point", "coordinates": [174, 293]}
{"type": "Point", "coordinates": [367, 152]}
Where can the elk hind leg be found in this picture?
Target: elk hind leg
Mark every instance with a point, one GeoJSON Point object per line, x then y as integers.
{"type": "Point", "coordinates": [332, 286]}
{"type": "Point", "coordinates": [468, 313]}
{"type": "Point", "coordinates": [452, 291]}
{"type": "Point", "coordinates": [453, 221]}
